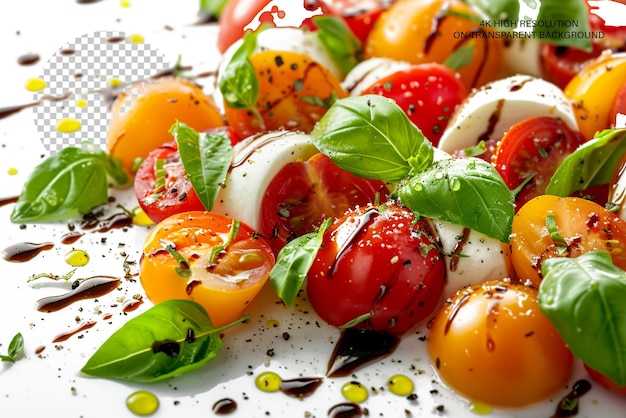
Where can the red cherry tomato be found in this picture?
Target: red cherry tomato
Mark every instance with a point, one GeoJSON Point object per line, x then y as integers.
{"type": "Point", "coordinates": [606, 381]}
{"type": "Point", "coordinates": [360, 15]}
{"type": "Point", "coordinates": [378, 266]}
{"type": "Point", "coordinates": [533, 149]}
{"type": "Point", "coordinates": [305, 193]}
{"type": "Point", "coordinates": [428, 94]}
{"type": "Point", "coordinates": [237, 14]}
{"type": "Point", "coordinates": [175, 195]}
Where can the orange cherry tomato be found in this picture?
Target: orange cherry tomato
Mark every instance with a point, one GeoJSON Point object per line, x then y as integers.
{"type": "Point", "coordinates": [582, 226]}
{"type": "Point", "coordinates": [491, 343]}
{"type": "Point", "coordinates": [142, 116]}
{"type": "Point", "coordinates": [223, 283]}
{"type": "Point", "coordinates": [423, 31]}
{"type": "Point", "coordinates": [294, 92]}
{"type": "Point", "coordinates": [593, 91]}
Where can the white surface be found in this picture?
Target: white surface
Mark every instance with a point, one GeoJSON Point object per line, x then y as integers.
{"type": "Point", "coordinates": [50, 385]}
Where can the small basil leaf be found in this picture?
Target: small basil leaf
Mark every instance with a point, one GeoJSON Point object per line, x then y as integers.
{"type": "Point", "coordinates": [293, 263]}
{"type": "Point", "coordinates": [584, 299]}
{"type": "Point", "coordinates": [171, 338]}
{"type": "Point", "coordinates": [463, 191]}
{"type": "Point", "coordinates": [592, 164]}
{"type": "Point", "coordinates": [371, 137]}
{"type": "Point", "coordinates": [67, 184]}
{"type": "Point", "coordinates": [206, 159]}
{"type": "Point", "coordinates": [342, 45]}
{"type": "Point", "coordinates": [16, 349]}
{"type": "Point", "coordinates": [212, 9]}
{"type": "Point", "coordinates": [462, 57]}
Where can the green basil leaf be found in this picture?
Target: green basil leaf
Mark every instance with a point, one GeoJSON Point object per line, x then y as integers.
{"type": "Point", "coordinates": [16, 349]}
{"type": "Point", "coordinates": [461, 57]}
{"type": "Point", "coordinates": [559, 22]}
{"type": "Point", "coordinates": [212, 9]}
{"type": "Point", "coordinates": [592, 164]}
{"type": "Point", "coordinates": [345, 49]}
{"type": "Point", "coordinates": [463, 191]}
{"type": "Point", "coordinates": [171, 338]}
{"type": "Point", "coordinates": [584, 299]}
{"type": "Point", "coordinates": [293, 263]}
{"type": "Point", "coordinates": [371, 137]}
{"type": "Point", "coordinates": [206, 159]}
{"type": "Point", "coordinates": [67, 184]}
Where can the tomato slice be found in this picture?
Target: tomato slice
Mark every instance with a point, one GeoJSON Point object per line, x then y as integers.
{"type": "Point", "coordinates": [550, 226]}
{"type": "Point", "coordinates": [533, 149]}
{"type": "Point", "coordinates": [223, 283]}
{"type": "Point", "coordinates": [303, 194]}
{"type": "Point", "coordinates": [559, 64]}
{"type": "Point", "coordinates": [360, 15]}
{"type": "Point", "coordinates": [377, 265]}
{"type": "Point", "coordinates": [175, 194]}
{"type": "Point", "coordinates": [428, 93]}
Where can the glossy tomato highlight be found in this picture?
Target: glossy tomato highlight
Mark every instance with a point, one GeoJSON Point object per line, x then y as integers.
{"type": "Point", "coordinates": [492, 344]}
{"type": "Point", "coordinates": [379, 268]}
{"type": "Point", "coordinates": [179, 261]}
{"type": "Point", "coordinates": [303, 194]}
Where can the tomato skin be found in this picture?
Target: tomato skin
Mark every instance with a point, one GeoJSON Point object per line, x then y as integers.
{"type": "Point", "coordinates": [534, 147]}
{"type": "Point", "coordinates": [428, 93]}
{"type": "Point", "coordinates": [491, 343]}
{"type": "Point", "coordinates": [381, 263]}
{"type": "Point", "coordinates": [359, 15]}
{"type": "Point", "coordinates": [585, 225]}
{"type": "Point", "coordinates": [619, 106]}
{"type": "Point", "coordinates": [286, 80]}
{"type": "Point", "coordinates": [303, 194]}
{"type": "Point", "coordinates": [224, 288]}
{"type": "Point", "coordinates": [422, 31]}
{"type": "Point", "coordinates": [605, 381]}
{"type": "Point", "coordinates": [593, 92]}
{"type": "Point", "coordinates": [177, 195]}
{"type": "Point", "coordinates": [237, 14]}
{"type": "Point", "coordinates": [142, 116]}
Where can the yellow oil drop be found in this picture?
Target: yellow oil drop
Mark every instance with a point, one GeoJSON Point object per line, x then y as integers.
{"type": "Point", "coordinates": [68, 125]}
{"type": "Point", "coordinates": [142, 403]}
{"type": "Point", "coordinates": [480, 408]}
{"type": "Point", "coordinates": [271, 323]}
{"type": "Point", "coordinates": [354, 391]}
{"type": "Point", "coordinates": [400, 385]}
{"type": "Point", "coordinates": [125, 3]}
{"type": "Point", "coordinates": [77, 258]}
{"type": "Point", "coordinates": [115, 82]}
{"type": "Point", "coordinates": [81, 103]}
{"type": "Point", "coordinates": [268, 382]}
{"type": "Point", "coordinates": [136, 38]}
{"type": "Point", "coordinates": [141, 219]}
{"type": "Point", "coordinates": [12, 171]}
{"type": "Point", "coordinates": [35, 84]}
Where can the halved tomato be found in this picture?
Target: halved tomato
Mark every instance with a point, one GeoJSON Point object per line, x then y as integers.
{"type": "Point", "coordinates": [303, 194]}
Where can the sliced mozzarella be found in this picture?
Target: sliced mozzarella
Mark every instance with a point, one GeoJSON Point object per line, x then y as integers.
{"type": "Point", "coordinates": [489, 112]}
{"type": "Point", "coordinates": [367, 72]}
{"type": "Point", "coordinates": [256, 161]}
{"type": "Point", "coordinates": [522, 56]}
{"type": "Point", "coordinates": [480, 258]}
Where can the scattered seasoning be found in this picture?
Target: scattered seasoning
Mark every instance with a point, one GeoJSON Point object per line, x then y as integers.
{"type": "Point", "coordinates": [142, 403]}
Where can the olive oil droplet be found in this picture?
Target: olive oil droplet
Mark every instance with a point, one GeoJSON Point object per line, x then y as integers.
{"type": "Point", "coordinates": [480, 408]}
{"type": "Point", "coordinates": [12, 171]}
{"type": "Point", "coordinates": [82, 103]}
{"type": "Point", "coordinates": [271, 323]}
{"type": "Point", "coordinates": [268, 382]}
{"type": "Point", "coordinates": [136, 38]}
{"type": "Point", "coordinates": [142, 403]}
{"type": "Point", "coordinates": [77, 258]}
{"type": "Point", "coordinates": [35, 84]}
{"type": "Point", "coordinates": [354, 392]}
{"type": "Point", "coordinates": [68, 125]}
{"type": "Point", "coordinates": [141, 219]}
{"type": "Point", "coordinates": [400, 385]}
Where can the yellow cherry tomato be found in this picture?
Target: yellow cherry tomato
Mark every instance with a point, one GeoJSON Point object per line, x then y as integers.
{"type": "Point", "coordinates": [143, 114]}
{"type": "Point", "coordinates": [492, 344]}
{"type": "Point", "coordinates": [183, 258]}
{"type": "Point", "coordinates": [294, 93]}
{"type": "Point", "coordinates": [424, 31]}
{"type": "Point", "coordinates": [593, 92]}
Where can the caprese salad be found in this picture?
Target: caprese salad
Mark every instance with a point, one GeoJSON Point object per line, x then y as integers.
{"type": "Point", "coordinates": [435, 163]}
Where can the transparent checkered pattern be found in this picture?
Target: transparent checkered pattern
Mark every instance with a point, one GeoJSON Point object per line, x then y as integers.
{"type": "Point", "coordinates": [85, 68]}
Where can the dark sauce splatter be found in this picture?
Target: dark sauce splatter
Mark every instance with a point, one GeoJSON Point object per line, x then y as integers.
{"type": "Point", "coordinates": [131, 305]}
{"type": "Point", "coordinates": [568, 407]}
{"type": "Point", "coordinates": [8, 200]}
{"type": "Point", "coordinates": [170, 348]}
{"type": "Point", "coordinates": [115, 221]}
{"type": "Point", "coordinates": [25, 251]}
{"type": "Point", "coordinates": [71, 237]}
{"type": "Point", "coordinates": [345, 410]}
{"type": "Point", "coordinates": [224, 406]}
{"type": "Point", "coordinates": [66, 335]}
{"type": "Point", "coordinates": [28, 59]}
{"type": "Point", "coordinates": [90, 288]}
{"type": "Point", "coordinates": [358, 348]}
{"type": "Point", "coordinates": [300, 387]}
